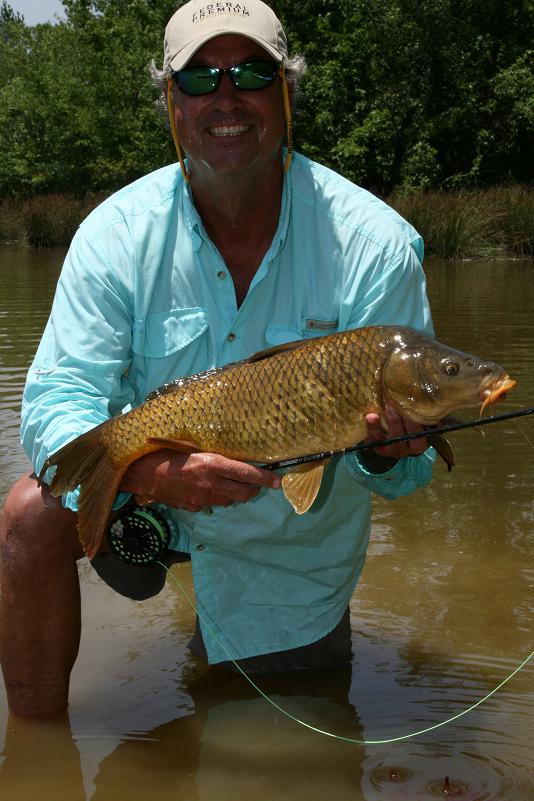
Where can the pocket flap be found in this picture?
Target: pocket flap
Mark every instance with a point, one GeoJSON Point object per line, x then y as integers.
{"type": "Point", "coordinates": [166, 332]}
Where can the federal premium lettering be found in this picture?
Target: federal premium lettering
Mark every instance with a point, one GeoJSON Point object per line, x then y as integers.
{"type": "Point", "coordinates": [214, 9]}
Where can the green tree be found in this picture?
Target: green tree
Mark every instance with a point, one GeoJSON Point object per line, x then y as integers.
{"type": "Point", "coordinates": [413, 94]}
{"type": "Point", "coordinates": [76, 102]}
{"type": "Point", "coordinates": [400, 94]}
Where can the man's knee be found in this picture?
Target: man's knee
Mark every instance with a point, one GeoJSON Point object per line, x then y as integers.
{"type": "Point", "coordinates": [33, 519]}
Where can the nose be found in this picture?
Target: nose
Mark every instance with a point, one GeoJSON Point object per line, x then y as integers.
{"type": "Point", "coordinates": [226, 91]}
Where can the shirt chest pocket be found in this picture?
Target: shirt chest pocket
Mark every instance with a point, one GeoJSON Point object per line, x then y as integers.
{"type": "Point", "coordinates": [167, 345]}
{"type": "Point", "coordinates": [164, 333]}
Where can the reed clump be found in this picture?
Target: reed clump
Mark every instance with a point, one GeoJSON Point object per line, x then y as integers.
{"type": "Point", "coordinates": [494, 223]}
{"type": "Point", "coordinates": [11, 221]}
{"type": "Point", "coordinates": [53, 220]}
{"type": "Point", "coordinates": [517, 205]}
{"type": "Point", "coordinates": [479, 224]}
{"type": "Point", "coordinates": [44, 220]}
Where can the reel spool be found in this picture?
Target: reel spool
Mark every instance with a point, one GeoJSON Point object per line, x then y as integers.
{"type": "Point", "coordinates": [139, 536]}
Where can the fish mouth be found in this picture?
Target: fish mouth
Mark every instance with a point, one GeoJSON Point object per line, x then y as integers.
{"type": "Point", "coordinates": [496, 391]}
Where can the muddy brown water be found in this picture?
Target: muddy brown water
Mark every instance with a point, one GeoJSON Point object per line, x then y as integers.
{"type": "Point", "coordinates": [442, 615]}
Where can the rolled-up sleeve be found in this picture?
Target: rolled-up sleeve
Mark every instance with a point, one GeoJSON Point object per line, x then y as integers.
{"type": "Point", "coordinates": [405, 477]}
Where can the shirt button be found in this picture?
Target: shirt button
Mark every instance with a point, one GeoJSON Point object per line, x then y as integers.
{"type": "Point", "coordinates": [199, 547]}
{"type": "Point", "coordinates": [230, 337]}
{"type": "Point", "coordinates": [221, 274]}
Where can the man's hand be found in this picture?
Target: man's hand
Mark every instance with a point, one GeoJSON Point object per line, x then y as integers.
{"type": "Point", "coordinates": [395, 426]}
{"type": "Point", "coordinates": [194, 481]}
{"type": "Point", "coordinates": [391, 424]}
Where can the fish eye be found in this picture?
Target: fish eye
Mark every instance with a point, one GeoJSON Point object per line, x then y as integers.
{"type": "Point", "coordinates": [451, 368]}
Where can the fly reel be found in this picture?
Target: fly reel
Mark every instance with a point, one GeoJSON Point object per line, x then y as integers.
{"type": "Point", "coordinates": [139, 536]}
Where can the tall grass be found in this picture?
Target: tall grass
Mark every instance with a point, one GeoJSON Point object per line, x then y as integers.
{"type": "Point", "coordinates": [11, 221]}
{"type": "Point", "coordinates": [53, 219]}
{"type": "Point", "coordinates": [44, 220]}
{"type": "Point", "coordinates": [455, 225]}
{"type": "Point", "coordinates": [463, 225]}
{"type": "Point", "coordinates": [517, 204]}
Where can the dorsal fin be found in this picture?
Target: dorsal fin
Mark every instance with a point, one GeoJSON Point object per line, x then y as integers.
{"type": "Point", "coordinates": [285, 346]}
{"type": "Point", "coordinates": [181, 382]}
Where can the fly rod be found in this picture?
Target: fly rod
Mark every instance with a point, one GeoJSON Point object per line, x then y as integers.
{"type": "Point", "coordinates": [428, 432]}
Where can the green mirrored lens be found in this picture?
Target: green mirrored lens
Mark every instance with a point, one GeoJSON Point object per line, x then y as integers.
{"type": "Point", "coordinates": [198, 80]}
{"type": "Point", "coordinates": [253, 74]}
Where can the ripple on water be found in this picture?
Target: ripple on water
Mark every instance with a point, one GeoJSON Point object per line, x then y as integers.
{"type": "Point", "coordinates": [464, 776]}
{"type": "Point", "coordinates": [405, 686]}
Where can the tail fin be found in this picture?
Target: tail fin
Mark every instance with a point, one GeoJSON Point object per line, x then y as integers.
{"type": "Point", "coordinates": [86, 462]}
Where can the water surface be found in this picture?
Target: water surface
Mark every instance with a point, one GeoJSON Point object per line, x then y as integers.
{"type": "Point", "coordinates": [441, 616]}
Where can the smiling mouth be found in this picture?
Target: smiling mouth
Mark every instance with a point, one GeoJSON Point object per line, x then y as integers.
{"type": "Point", "coordinates": [228, 130]}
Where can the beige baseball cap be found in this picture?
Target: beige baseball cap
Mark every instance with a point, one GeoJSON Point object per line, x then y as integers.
{"type": "Point", "coordinates": [196, 22]}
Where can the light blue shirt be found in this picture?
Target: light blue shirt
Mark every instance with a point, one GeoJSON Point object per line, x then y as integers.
{"type": "Point", "coordinates": [144, 297]}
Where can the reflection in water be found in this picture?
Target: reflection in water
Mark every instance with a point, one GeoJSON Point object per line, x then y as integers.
{"type": "Point", "coordinates": [236, 746]}
{"type": "Point", "coordinates": [41, 761]}
{"type": "Point", "coordinates": [442, 615]}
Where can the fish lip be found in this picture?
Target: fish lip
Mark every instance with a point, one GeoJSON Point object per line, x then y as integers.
{"type": "Point", "coordinates": [495, 391]}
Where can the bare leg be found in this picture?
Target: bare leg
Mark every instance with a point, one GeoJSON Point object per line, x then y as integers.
{"type": "Point", "coordinates": [40, 599]}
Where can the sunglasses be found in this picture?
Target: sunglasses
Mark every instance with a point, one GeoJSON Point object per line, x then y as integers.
{"type": "Point", "coordinates": [249, 76]}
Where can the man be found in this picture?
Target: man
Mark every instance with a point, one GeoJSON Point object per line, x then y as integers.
{"type": "Point", "coordinates": [241, 247]}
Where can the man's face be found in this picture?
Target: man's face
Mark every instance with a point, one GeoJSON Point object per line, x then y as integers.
{"type": "Point", "coordinates": [230, 130]}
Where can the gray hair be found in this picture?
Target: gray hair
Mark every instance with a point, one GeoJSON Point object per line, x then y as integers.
{"type": "Point", "coordinates": [295, 67]}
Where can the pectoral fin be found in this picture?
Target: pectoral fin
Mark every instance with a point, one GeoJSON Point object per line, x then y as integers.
{"type": "Point", "coordinates": [302, 483]}
{"type": "Point", "coordinates": [443, 448]}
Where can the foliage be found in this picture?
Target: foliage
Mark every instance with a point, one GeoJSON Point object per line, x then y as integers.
{"type": "Point", "coordinates": [76, 101]}
{"type": "Point", "coordinates": [400, 95]}
{"type": "Point", "coordinates": [417, 93]}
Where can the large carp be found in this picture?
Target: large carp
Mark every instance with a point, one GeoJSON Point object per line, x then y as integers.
{"type": "Point", "coordinates": [299, 398]}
